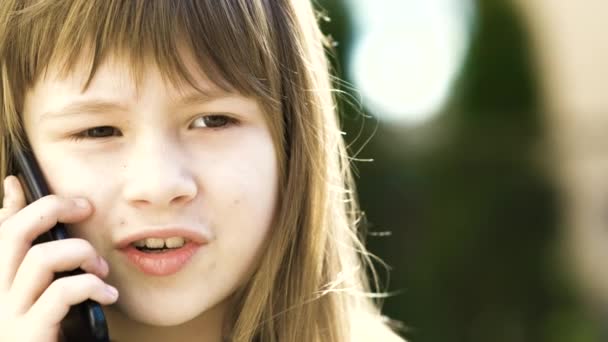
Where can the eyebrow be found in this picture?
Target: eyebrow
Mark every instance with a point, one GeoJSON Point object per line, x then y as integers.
{"type": "Point", "coordinates": [99, 106]}
{"type": "Point", "coordinates": [85, 106]}
{"type": "Point", "coordinates": [196, 98]}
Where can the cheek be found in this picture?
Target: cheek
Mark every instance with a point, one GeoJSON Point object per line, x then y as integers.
{"type": "Point", "coordinates": [68, 175]}
{"type": "Point", "coordinates": [71, 177]}
{"type": "Point", "coordinates": [245, 190]}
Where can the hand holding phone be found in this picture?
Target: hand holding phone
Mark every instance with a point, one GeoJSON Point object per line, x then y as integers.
{"type": "Point", "coordinates": [50, 285]}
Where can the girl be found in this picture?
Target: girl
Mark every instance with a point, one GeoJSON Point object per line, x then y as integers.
{"type": "Point", "coordinates": [193, 148]}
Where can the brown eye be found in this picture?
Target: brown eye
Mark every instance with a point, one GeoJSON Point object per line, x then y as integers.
{"type": "Point", "coordinates": [100, 132]}
{"type": "Point", "coordinates": [214, 121]}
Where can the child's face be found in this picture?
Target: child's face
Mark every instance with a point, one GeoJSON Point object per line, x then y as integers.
{"type": "Point", "coordinates": [159, 166]}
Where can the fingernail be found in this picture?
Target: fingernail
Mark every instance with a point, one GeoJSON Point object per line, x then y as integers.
{"type": "Point", "coordinates": [6, 187]}
{"type": "Point", "coordinates": [81, 203]}
{"type": "Point", "coordinates": [8, 193]}
{"type": "Point", "coordinates": [112, 291]}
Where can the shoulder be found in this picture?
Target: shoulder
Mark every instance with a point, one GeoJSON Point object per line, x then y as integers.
{"type": "Point", "coordinates": [383, 333]}
{"type": "Point", "coordinates": [370, 328]}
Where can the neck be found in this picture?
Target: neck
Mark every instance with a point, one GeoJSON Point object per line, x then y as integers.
{"type": "Point", "coordinates": [207, 327]}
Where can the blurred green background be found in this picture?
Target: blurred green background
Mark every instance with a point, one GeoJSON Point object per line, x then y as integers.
{"type": "Point", "coordinates": [465, 195]}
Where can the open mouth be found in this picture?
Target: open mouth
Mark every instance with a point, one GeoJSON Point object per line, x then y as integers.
{"type": "Point", "coordinates": [155, 250]}
{"type": "Point", "coordinates": [158, 245]}
{"type": "Point", "coordinates": [157, 256]}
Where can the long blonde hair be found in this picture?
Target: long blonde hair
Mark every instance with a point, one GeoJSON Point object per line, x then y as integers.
{"type": "Point", "coordinates": [312, 283]}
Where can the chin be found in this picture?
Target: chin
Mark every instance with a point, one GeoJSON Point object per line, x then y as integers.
{"type": "Point", "coordinates": [161, 316]}
{"type": "Point", "coordinates": [163, 310]}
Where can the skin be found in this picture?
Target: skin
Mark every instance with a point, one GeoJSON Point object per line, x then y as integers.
{"type": "Point", "coordinates": [162, 165]}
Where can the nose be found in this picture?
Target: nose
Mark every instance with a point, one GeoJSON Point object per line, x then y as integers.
{"type": "Point", "coordinates": [157, 175]}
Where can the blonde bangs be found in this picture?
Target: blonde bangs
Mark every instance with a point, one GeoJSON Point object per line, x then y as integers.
{"type": "Point", "coordinates": [228, 40]}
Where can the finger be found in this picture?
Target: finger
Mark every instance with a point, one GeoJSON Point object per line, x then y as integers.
{"type": "Point", "coordinates": [43, 214]}
{"type": "Point", "coordinates": [54, 303]}
{"type": "Point", "coordinates": [18, 231]}
{"type": "Point", "coordinates": [14, 197]}
{"type": "Point", "coordinates": [43, 260]}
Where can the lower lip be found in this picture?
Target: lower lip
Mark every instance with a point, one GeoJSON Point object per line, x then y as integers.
{"type": "Point", "coordinates": [163, 263]}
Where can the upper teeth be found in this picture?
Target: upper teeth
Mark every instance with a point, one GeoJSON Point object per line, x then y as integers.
{"type": "Point", "coordinates": [172, 242]}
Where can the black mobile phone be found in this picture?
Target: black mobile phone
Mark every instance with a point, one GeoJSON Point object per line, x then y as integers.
{"type": "Point", "coordinates": [85, 321]}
